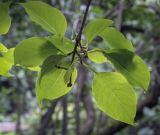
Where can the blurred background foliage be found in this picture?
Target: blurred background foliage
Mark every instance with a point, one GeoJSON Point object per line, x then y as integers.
{"type": "Point", "coordinates": [76, 113]}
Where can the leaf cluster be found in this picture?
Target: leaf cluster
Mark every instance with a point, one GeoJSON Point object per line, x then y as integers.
{"type": "Point", "coordinates": [53, 57]}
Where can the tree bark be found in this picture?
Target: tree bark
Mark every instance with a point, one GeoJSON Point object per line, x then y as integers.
{"type": "Point", "coordinates": [65, 116]}
{"type": "Point", "coordinates": [88, 105]}
{"type": "Point", "coordinates": [46, 118]}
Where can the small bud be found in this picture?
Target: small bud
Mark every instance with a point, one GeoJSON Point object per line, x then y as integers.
{"type": "Point", "coordinates": [69, 85]}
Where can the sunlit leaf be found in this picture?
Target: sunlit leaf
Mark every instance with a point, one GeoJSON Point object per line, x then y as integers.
{"type": "Point", "coordinates": [95, 27]}
{"type": "Point", "coordinates": [5, 20]}
{"type": "Point", "coordinates": [33, 51]}
{"type": "Point", "coordinates": [68, 74]}
{"type": "Point", "coordinates": [9, 55]}
{"type": "Point", "coordinates": [63, 44]}
{"type": "Point", "coordinates": [3, 48]}
{"type": "Point", "coordinates": [115, 96]}
{"type": "Point", "coordinates": [131, 66]}
{"type": "Point", "coordinates": [115, 39]}
{"type": "Point", "coordinates": [96, 56]}
{"type": "Point", "coordinates": [50, 84]}
{"type": "Point", "coordinates": [34, 68]}
{"type": "Point", "coordinates": [46, 16]}
{"type": "Point", "coordinates": [5, 67]}
{"type": "Point", "coordinates": [6, 60]}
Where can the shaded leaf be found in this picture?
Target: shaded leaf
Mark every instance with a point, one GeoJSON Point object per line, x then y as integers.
{"type": "Point", "coordinates": [131, 66]}
{"type": "Point", "coordinates": [50, 63]}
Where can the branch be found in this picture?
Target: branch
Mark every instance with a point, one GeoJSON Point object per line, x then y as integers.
{"type": "Point", "coordinates": [132, 28]}
{"type": "Point", "coordinates": [78, 38]}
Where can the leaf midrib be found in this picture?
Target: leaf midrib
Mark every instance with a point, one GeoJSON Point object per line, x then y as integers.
{"type": "Point", "coordinates": [36, 15]}
{"type": "Point", "coordinates": [127, 72]}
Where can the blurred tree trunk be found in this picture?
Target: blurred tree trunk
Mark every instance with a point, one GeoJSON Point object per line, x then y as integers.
{"type": "Point", "coordinates": [21, 93]}
{"type": "Point", "coordinates": [65, 116]}
{"type": "Point", "coordinates": [89, 108]}
{"type": "Point", "coordinates": [120, 14]}
{"type": "Point", "coordinates": [46, 118]}
{"type": "Point", "coordinates": [82, 75]}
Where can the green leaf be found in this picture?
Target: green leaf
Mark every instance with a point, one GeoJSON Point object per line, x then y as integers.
{"type": "Point", "coordinates": [115, 39]}
{"type": "Point", "coordinates": [9, 55]}
{"type": "Point", "coordinates": [3, 48]}
{"type": "Point", "coordinates": [34, 68]}
{"type": "Point", "coordinates": [63, 44]}
{"type": "Point", "coordinates": [5, 20]}
{"type": "Point", "coordinates": [95, 27]}
{"type": "Point", "coordinates": [115, 96]}
{"type": "Point", "coordinates": [50, 84]}
{"type": "Point", "coordinates": [46, 16]}
{"type": "Point", "coordinates": [5, 60]}
{"type": "Point", "coordinates": [68, 75]}
{"type": "Point", "coordinates": [33, 51]}
{"type": "Point", "coordinates": [97, 56]}
{"type": "Point", "coordinates": [5, 66]}
{"type": "Point", "coordinates": [50, 63]}
{"type": "Point", "coordinates": [131, 66]}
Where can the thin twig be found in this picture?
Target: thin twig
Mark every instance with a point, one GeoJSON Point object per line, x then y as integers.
{"type": "Point", "coordinates": [78, 38]}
